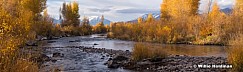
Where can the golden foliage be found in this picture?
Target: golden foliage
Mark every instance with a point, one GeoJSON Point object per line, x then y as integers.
{"type": "Point", "coordinates": [140, 20]}
{"type": "Point", "coordinates": [177, 8]}
{"type": "Point", "coordinates": [235, 54]}
{"type": "Point", "coordinates": [16, 24]}
{"type": "Point", "coordinates": [164, 9]}
{"type": "Point", "coordinates": [150, 18]}
{"type": "Point", "coordinates": [194, 6]}
{"type": "Point", "coordinates": [181, 23]}
{"type": "Point", "coordinates": [70, 14]}
{"type": "Point", "coordinates": [100, 27]}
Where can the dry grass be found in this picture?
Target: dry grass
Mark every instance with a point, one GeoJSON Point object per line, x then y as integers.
{"type": "Point", "coordinates": [235, 56]}
{"type": "Point", "coordinates": [143, 51]}
{"type": "Point", "coordinates": [15, 62]}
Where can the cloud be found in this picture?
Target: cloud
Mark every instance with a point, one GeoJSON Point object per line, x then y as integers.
{"type": "Point", "coordinates": [101, 10]}
{"type": "Point", "coordinates": [120, 10]}
{"type": "Point", "coordinates": [226, 3]}
{"type": "Point", "coordinates": [134, 10]}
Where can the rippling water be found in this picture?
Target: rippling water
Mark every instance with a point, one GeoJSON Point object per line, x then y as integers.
{"type": "Point", "coordinates": [98, 41]}
{"type": "Point", "coordinates": [75, 60]}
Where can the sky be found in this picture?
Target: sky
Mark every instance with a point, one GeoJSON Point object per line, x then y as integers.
{"type": "Point", "coordinates": [119, 10]}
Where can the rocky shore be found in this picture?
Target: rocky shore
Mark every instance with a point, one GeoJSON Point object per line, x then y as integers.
{"type": "Point", "coordinates": [171, 63]}
{"type": "Point", "coordinates": [178, 63]}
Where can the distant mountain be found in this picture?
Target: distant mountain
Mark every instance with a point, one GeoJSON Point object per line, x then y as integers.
{"type": "Point", "coordinates": [93, 20]}
{"type": "Point", "coordinates": [145, 16]}
{"type": "Point", "coordinates": [157, 15]}
{"type": "Point", "coordinates": [57, 21]}
{"type": "Point", "coordinates": [226, 10]}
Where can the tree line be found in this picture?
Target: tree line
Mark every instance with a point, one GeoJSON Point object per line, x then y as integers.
{"type": "Point", "coordinates": [181, 22]}
{"type": "Point", "coordinates": [22, 21]}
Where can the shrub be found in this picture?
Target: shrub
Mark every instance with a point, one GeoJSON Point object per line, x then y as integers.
{"type": "Point", "coordinates": [143, 51]}
{"type": "Point", "coordinates": [235, 56]}
{"type": "Point", "coordinates": [15, 62]}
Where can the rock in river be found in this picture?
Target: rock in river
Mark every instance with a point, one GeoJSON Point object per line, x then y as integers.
{"type": "Point", "coordinates": [120, 58]}
{"type": "Point", "coordinates": [31, 43]}
{"type": "Point", "coordinates": [57, 55]}
{"type": "Point", "coordinates": [116, 61]}
{"type": "Point", "coordinates": [112, 64]}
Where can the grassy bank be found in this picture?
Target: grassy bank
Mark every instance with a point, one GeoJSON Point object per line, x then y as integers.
{"type": "Point", "coordinates": [14, 61]}
{"type": "Point", "coordinates": [143, 51]}
{"type": "Point", "coordinates": [235, 56]}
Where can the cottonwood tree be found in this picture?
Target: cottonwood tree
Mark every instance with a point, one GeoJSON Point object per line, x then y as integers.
{"type": "Point", "coordinates": [194, 6]}
{"type": "Point", "coordinates": [164, 9]}
{"type": "Point", "coordinates": [150, 18]}
{"type": "Point", "coordinates": [85, 28]}
{"type": "Point", "coordinates": [70, 14]}
{"type": "Point", "coordinates": [140, 20]}
{"type": "Point", "coordinates": [239, 5]}
{"type": "Point", "coordinates": [16, 23]}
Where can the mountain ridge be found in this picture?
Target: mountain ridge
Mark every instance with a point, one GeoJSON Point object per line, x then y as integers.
{"type": "Point", "coordinates": [93, 20]}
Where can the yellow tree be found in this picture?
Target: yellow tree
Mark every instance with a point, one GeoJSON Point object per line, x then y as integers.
{"type": "Point", "coordinates": [215, 11]}
{"type": "Point", "coordinates": [140, 20]}
{"type": "Point", "coordinates": [194, 6]}
{"type": "Point", "coordinates": [215, 20]}
{"type": "Point", "coordinates": [47, 25]}
{"type": "Point", "coordinates": [178, 12]}
{"type": "Point", "coordinates": [164, 9]}
{"type": "Point", "coordinates": [176, 8]}
{"type": "Point", "coordinates": [238, 16]}
{"type": "Point", "coordinates": [75, 13]}
{"type": "Point", "coordinates": [150, 18]}
{"type": "Point", "coordinates": [86, 28]}
{"type": "Point", "coordinates": [15, 30]}
{"type": "Point", "coordinates": [70, 14]}
{"type": "Point", "coordinates": [239, 5]}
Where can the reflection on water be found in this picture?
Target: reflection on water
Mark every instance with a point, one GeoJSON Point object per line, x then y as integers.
{"type": "Point", "coordinates": [92, 41]}
{"type": "Point", "coordinates": [98, 41]}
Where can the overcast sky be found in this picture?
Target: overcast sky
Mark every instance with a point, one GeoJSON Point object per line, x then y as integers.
{"type": "Point", "coordinates": [119, 10]}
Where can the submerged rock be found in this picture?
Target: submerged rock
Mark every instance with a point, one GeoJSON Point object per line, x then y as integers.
{"type": "Point", "coordinates": [45, 57]}
{"type": "Point", "coordinates": [41, 58]}
{"type": "Point", "coordinates": [117, 61]}
{"type": "Point", "coordinates": [112, 64]}
{"type": "Point", "coordinates": [120, 58]}
{"type": "Point", "coordinates": [96, 44]}
{"type": "Point", "coordinates": [31, 43]}
{"type": "Point", "coordinates": [57, 55]}
{"type": "Point", "coordinates": [51, 41]}
{"type": "Point", "coordinates": [176, 63]}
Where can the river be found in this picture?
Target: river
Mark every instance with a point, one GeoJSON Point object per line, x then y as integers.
{"type": "Point", "coordinates": [76, 60]}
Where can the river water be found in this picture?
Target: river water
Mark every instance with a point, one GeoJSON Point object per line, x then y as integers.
{"type": "Point", "coordinates": [76, 60]}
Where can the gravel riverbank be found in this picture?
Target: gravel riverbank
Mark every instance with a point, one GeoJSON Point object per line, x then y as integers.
{"type": "Point", "coordinates": [80, 58]}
